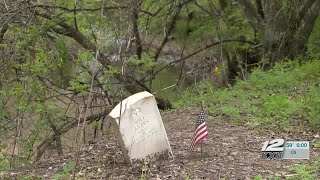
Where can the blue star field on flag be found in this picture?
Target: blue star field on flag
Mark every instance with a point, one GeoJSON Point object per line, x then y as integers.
{"type": "Point", "coordinates": [201, 131]}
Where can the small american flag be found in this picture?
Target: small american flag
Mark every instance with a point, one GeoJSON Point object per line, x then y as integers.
{"type": "Point", "coordinates": [201, 131]}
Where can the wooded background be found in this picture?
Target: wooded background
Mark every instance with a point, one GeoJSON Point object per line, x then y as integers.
{"type": "Point", "coordinates": [65, 64]}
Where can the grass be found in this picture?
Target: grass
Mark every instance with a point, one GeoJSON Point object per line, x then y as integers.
{"type": "Point", "coordinates": [316, 144]}
{"type": "Point", "coordinates": [301, 172]}
{"type": "Point", "coordinates": [285, 98]}
{"type": "Point", "coordinates": [143, 174]}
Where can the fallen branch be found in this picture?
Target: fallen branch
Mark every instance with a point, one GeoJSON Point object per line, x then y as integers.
{"type": "Point", "coordinates": [79, 9]}
{"type": "Point", "coordinates": [65, 128]}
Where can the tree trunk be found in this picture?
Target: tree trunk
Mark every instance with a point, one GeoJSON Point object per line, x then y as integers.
{"type": "Point", "coordinates": [286, 35]}
{"type": "Point", "coordinates": [284, 31]}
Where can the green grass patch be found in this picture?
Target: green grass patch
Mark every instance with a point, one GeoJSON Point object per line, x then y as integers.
{"type": "Point", "coordinates": [285, 98]}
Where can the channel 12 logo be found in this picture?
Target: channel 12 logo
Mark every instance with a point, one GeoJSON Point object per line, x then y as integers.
{"type": "Point", "coordinates": [277, 149]}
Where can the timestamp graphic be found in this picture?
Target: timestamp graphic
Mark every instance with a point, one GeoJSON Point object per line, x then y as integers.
{"type": "Point", "coordinates": [278, 149]}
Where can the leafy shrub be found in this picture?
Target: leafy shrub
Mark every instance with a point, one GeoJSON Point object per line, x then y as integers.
{"type": "Point", "coordinates": [233, 114]}
{"type": "Point", "coordinates": [281, 97]}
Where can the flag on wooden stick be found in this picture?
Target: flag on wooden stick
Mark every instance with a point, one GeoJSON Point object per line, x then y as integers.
{"type": "Point", "coordinates": [201, 131]}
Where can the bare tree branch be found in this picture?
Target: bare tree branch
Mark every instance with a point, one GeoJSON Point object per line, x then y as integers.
{"type": "Point", "coordinates": [212, 13]}
{"type": "Point", "coordinates": [78, 9]}
{"type": "Point", "coordinates": [202, 49]}
{"type": "Point", "coordinates": [136, 34]}
{"type": "Point", "coordinates": [65, 128]}
{"type": "Point", "coordinates": [150, 13]}
{"type": "Point", "coordinates": [259, 8]}
{"type": "Point", "coordinates": [169, 28]}
{"type": "Point", "coordinates": [131, 84]}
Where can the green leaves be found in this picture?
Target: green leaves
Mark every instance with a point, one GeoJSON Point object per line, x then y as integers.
{"type": "Point", "coordinates": [63, 52]}
{"type": "Point", "coordinates": [78, 87]}
{"type": "Point", "coordinates": [146, 63]}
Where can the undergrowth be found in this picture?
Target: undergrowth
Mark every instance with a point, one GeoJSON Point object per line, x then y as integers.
{"type": "Point", "coordinates": [301, 172]}
{"type": "Point", "coordinates": [285, 98]}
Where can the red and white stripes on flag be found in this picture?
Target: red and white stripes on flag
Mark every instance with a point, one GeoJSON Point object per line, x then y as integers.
{"type": "Point", "coordinates": [201, 131]}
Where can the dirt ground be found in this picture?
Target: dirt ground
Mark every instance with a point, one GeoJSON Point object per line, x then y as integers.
{"type": "Point", "coordinates": [230, 152]}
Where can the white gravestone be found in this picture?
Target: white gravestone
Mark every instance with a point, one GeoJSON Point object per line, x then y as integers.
{"type": "Point", "coordinates": [140, 130]}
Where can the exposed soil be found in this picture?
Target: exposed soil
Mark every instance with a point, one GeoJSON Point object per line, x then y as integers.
{"type": "Point", "coordinates": [230, 152]}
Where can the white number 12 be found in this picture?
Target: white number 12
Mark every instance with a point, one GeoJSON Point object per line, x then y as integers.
{"type": "Point", "coordinates": [273, 145]}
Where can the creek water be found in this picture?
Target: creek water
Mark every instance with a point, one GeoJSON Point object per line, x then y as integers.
{"type": "Point", "coordinates": [165, 84]}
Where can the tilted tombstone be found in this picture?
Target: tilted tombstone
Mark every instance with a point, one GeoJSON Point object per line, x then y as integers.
{"type": "Point", "coordinates": [139, 127]}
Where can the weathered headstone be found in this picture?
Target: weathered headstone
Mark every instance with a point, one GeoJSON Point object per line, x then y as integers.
{"type": "Point", "coordinates": [140, 129]}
